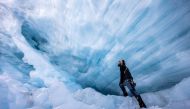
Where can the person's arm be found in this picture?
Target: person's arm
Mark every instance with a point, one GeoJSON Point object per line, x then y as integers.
{"type": "Point", "coordinates": [130, 79]}
{"type": "Point", "coordinates": [128, 73]}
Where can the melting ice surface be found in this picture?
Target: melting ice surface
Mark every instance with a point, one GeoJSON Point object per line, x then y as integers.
{"type": "Point", "coordinates": [60, 54]}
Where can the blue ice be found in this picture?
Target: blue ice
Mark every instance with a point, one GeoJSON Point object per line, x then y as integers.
{"type": "Point", "coordinates": [54, 54]}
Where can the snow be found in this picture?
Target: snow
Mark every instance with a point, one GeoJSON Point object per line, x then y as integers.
{"type": "Point", "coordinates": [63, 54]}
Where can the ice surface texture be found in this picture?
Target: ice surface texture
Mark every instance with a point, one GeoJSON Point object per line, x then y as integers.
{"type": "Point", "coordinates": [51, 50]}
{"type": "Point", "coordinates": [86, 39]}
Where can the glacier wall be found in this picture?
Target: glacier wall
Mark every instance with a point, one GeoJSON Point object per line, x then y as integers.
{"type": "Point", "coordinates": [87, 38]}
{"type": "Point", "coordinates": [76, 44]}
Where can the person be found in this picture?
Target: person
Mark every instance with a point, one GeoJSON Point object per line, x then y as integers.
{"type": "Point", "coordinates": [126, 79]}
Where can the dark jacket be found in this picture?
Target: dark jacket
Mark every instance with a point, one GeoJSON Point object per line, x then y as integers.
{"type": "Point", "coordinates": [124, 74]}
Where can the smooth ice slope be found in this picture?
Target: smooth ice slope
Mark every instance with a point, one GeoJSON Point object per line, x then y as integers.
{"type": "Point", "coordinates": [50, 51]}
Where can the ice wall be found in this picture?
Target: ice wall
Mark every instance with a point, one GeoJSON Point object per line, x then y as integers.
{"type": "Point", "coordinates": [87, 38]}
{"type": "Point", "coordinates": [49, 49]}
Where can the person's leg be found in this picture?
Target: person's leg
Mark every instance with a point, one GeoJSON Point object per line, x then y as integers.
{"type": "Point", "coordinates": [134, 92]}
{"type": "Point", "coordinates": [141, 102]}
{"type": "Point", "coordinates": [122, 86]}
{"type": "Point", "coordinates": [137, 96]}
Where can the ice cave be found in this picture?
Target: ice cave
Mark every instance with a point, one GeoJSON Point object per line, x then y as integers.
{"type": "Point", "coordinates": [63, 54]}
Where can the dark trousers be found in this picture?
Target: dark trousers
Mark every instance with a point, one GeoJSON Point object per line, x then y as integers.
{"type": "Point", "coordinates": [122, 86]}
{"type": "Point", "coordinates": [133, 91]}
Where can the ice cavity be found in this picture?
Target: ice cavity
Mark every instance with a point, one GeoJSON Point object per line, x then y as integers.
{"type": "Point", "coordinates": [92, 36]}
{"type": "Point", "coordinates": [42, 78]}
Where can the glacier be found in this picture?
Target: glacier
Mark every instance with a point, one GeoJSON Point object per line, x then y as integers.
{"type": "Point", "coordinates": [63, 54]}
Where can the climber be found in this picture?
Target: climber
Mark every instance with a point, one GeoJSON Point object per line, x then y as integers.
{"type": "Point", "coordinates": [126, 79]}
